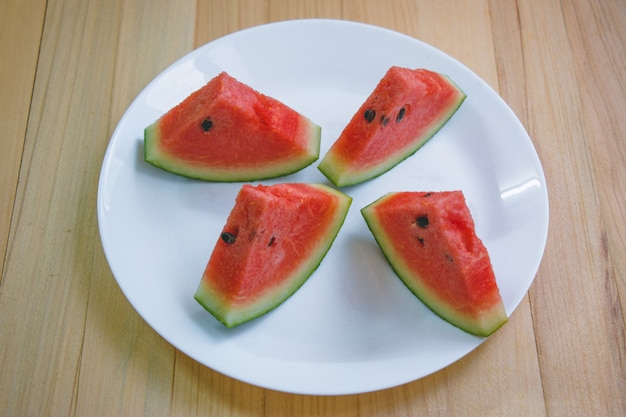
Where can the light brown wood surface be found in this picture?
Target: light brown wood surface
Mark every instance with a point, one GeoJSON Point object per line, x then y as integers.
{"type": "Point", "coordinates": [71, 344]}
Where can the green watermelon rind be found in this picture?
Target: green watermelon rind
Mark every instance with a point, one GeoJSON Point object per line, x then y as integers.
{"type": "Point", "coordinates": [341, 176]}
{"type": "Point", "coordinates": [154, 156]}
{"type": "Point", "coordinates": [211, 301]}
{"type": "Point", "coordinates": [483, 328]}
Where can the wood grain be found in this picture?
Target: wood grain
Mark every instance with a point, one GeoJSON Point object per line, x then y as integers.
{"type": "Point", "coordinates": [576, 256]}
{"type": "Point", "coordinates": [216, 18]}
{"type": "Point", "coordinates": [53, 228]}
{"type": "Point", "coordinates": [21, 25]}
{"type": "Point", "coordinates": [70, 342]}
{"type": "Point", "coordinates": [596, 30]}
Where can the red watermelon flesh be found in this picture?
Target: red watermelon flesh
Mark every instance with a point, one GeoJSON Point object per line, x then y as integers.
{"type": "Point", "coordinates": [405, 110]}
{"type": "Point", "coordinates": [226, 131]}
{"type": "Point", "coordinates": [429, 240]}
{"type": "Point", "coordinates": [273, 240]}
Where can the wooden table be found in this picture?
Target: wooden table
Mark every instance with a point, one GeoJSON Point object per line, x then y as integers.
{"type": "Point", "coordinates": [70, 342]}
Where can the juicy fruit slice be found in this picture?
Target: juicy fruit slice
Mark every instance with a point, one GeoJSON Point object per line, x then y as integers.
{"type": "Point", "coordinates": [405, 110]}
{"type": "Point", "coordinates": [273, 240]}
{"type": "Point", "coordinates": [226, 131]}
{"type": "Point", "coordinates": [430, 242]}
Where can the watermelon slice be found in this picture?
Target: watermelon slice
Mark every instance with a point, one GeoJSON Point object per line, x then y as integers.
{"type": "Point", "coordinates": [430, 242]}
{"type": "Point", "coordinates": [273, 240]}
{"type": "Point", "coordinates": [406, 108]}
{"type": "Point", "coordinates": [226, 131]}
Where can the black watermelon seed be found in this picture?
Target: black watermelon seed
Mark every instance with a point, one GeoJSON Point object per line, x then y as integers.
{"type": "Point", "coordinates": [369, 115]}
{"type": "Point", "coordinates": [427, 195]}
{"type": "Point", "coordinates": [421, 240]}
{"type": "Point", "coordinates": [207, 124]}
{"type": "Point", "coordinates": [384, 120]}
{"type": "Point", "coordinates": [228, 238]}
{"type": "Point", "coordinates": [271, 242]}
{"type": "Point", "coordinates": [422, 221]}
{"type": "Point", "coordinates": [400, 114]}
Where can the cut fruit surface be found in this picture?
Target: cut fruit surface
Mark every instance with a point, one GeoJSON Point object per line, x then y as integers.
{"type": "Point", "coordinates": [226, 131]}
{"type": "Point", "coordinates": [273, 240]}
{"type": "Point", "coordinates": [429, 240]}
{"type": "Point", "coordinates": [405, 110]}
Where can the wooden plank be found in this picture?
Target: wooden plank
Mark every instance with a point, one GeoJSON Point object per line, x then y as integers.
{"type": "Point", "coordinates": [46, 277]}
{"type": "Point", "coordinates": [216, 18]}
{"type": "Point", "coordinates": [289, 10]}
{"type": "Point", "coordinates": [200, 391]}
{"type": "Point", "coordinates": [509, 56]}
{"type": "Point", "coordinates": [126, 369]}
{"type": "Point", "coordinates": [21, 24]}
{"type": "Point", "coordinates": [598, 35]}
{"type": "Point", "coordinates": [589, 379]}
{"type": "Point", "coordinates": [286, 405]}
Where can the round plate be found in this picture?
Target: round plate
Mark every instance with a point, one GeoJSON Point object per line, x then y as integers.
{"type": "Point", "coordinates": [353, 327]}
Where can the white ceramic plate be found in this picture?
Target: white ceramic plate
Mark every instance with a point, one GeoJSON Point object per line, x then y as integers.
{"type": "Point", "coordinates": [353, 327]}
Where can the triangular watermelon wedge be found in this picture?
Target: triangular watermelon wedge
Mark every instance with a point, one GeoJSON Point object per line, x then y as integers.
{"type": "Point", "coordinates": [273, 240]}
{"type": "Point", "coordinates": [226, 131]}
{"type": "Point", "coordinates": [429, 240]}
{"type": "Point", "coordinates": [407, 107]}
